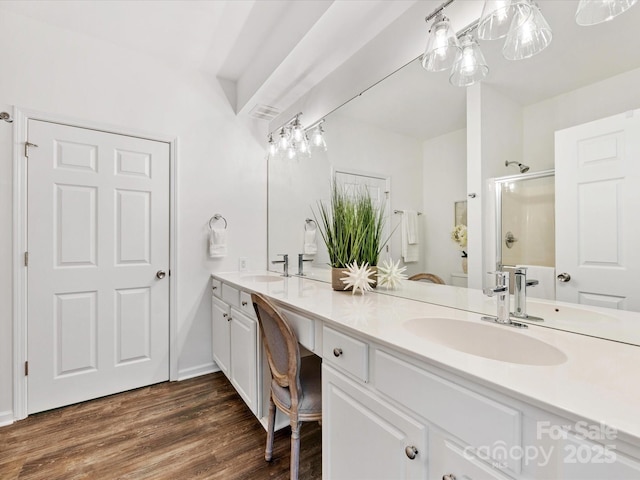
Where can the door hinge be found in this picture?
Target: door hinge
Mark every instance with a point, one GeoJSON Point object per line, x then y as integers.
{"type": "Point", "coordinates": [26, 259]}
{"type": "Point", "coordinates": [26, 148]}
{"type": "Point", "coordinates": [26, 368]}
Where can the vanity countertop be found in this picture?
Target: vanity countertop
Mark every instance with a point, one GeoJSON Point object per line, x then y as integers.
{"type": "Point", "coordinates": [597, 382]}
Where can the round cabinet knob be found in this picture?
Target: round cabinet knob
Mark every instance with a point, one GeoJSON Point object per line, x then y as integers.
{"type": "Point", "coordinates": [449, 476]}
{"type": "Point", "coordinates": [411, 452]}
{"type": "Point", "coordinates": [161, 274]}
{"type": "Point", "coordinates": [564, 277]}
{"type": "Point", "coordinates": [225, 315]}
{"type": "Point", "coordinates": [244, 303]}
{"type": "Point", "coordinates": [337, 352]}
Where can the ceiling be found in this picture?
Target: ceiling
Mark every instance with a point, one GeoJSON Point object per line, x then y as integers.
{"type": "Point", "coordinates": [264, 52]}
{"type": "Point", "coordinates": [424, 105]}
{"type": "Point", "coordinates": [269, 53]}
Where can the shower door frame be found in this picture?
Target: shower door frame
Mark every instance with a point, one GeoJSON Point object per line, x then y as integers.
{"type": "Point", "coordinates": [498, 183]}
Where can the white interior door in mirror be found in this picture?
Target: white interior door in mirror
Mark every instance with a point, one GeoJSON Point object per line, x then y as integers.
{"type": "Point", "coordinates": [597, 204]}
{"type": "Point", "coordinates": [379, 188]}
{"type": "Point", "coordinates": [98, 241]}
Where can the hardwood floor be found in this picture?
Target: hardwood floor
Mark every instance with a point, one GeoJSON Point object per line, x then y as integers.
{"type": "Point", "coordinates": [198, 428]}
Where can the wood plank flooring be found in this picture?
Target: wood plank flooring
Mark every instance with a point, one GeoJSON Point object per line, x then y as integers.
{"type": "Point", "coordinates": [198, 428]}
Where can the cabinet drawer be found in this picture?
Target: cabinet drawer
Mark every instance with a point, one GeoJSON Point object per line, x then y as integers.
{"type": "Point", "coordinates": [216, 287]}
{"type": "Point", "coordinates": [231, 295]}
{"type": "Point", "coordinates": [303, 327]}
{"type": "Point", "coordinates": [246, 305]}
{"type": "Point", "coordinates": [346, 353]}
{"type": "Point", "coordinates": [478, 421]}
{"type": "Point", "coordinates": [448, 458]}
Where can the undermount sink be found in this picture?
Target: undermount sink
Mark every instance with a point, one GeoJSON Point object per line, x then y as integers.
{"type": "Point", "coordinates": [262, 278]}
{"type": "Point", "coordinates": [496, 342]}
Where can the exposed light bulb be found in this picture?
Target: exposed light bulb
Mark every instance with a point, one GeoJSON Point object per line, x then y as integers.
{"type": "Point", "coordinates": [291, 152]}
{"type": "Point", "coordinates": [469, 65]}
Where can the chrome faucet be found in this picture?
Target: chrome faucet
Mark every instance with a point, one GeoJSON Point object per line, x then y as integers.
{"type": "Point", "coordinates": [520, 294]}
{"type": "Point", "coordinates": [501, 292]}
{"type": "Point", "coordinates": [301, 261]}
{"type": "Point", "coordinates": [285, 261]}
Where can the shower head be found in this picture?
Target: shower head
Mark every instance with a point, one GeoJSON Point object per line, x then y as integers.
{"type": "Point", "coordinates": [523, 168]}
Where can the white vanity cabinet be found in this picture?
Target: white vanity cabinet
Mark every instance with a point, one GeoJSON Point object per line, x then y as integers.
{"type": "Point", "coordinates": [235, 341]}
{"type": "Point", "coordinates": [365, 437]}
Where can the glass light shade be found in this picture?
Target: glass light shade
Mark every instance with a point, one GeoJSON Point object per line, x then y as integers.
{"type": "Point", "coordinates": [470, 66]}
{"type": "Point", "coordinates": [497, 16]}
{"type": "Point", "coordinates": [529, 37]}
{"type": "Point", "coordinates": [297, 132]}
{"type": "Point", "coordinates": [442, 46]}
{"type": "Point", "coordinates": [317, 138]}
{"type": "Point", "coordinates": [273, 148]}
{"type": "Point", "coordinates": [592, 12]}
{"type": "Point", "coordinates": [283, 143]}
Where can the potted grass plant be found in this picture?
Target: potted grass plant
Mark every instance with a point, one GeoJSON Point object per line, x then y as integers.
{"type": "Point", "coordinates": [351, 226]}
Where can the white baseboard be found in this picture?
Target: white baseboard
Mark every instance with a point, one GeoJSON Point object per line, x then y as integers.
{"type": "Point", "coordinates": [198, 370]}
{"type": "Point", "coordinates": [6, 418]}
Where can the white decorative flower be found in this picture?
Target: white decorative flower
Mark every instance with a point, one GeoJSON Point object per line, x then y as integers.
{"type": "Point", "coordinates": [358, 277]}
{"type": "Point", "coordinates": [390, 274]}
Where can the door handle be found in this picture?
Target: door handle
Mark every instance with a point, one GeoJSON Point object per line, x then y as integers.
{"type": "Point", "coordinates": [160, 274]}
{"type": "Point", "coordinates": [564, 277]}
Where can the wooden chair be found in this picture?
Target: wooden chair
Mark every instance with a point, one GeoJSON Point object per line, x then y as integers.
{"type": "Point", "coordinates": [296, 382]}
{"type": "Point", "coordinates": [430, 277]}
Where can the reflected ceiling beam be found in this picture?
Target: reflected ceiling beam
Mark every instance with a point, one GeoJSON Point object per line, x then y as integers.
{"type": "Point", "coordinates": [286, 67]}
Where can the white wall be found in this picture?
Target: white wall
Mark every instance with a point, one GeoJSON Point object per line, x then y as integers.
{"type": "Point", "coordinates": [444, 179]}
{"type": "Point", "coordinates": [602, 99]}
{"type": "Point", "coordinates": [221, 160]}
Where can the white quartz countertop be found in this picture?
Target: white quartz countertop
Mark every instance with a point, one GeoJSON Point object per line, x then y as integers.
{"type": "Point", "coordinates": [598, 381]}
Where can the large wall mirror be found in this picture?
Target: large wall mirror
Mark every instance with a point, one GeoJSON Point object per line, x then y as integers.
{"type": "Point", "coordinates": [412, 127]}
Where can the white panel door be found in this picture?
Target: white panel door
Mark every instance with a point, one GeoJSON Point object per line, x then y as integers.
{"type": "Point", "coordinates": [98, 234]}
{"type": "Point", "coordinates": [597, 205]}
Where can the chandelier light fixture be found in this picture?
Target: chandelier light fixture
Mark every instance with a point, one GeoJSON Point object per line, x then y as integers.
{"type": "Point", "coordinates": [470, 66]}
{"type": "Point", "coordinates": [520, 21]}
{"type": "Point", "coordinates": [293, 139]}
{"type": "Point", "coordinates": [442, 45]}
{"type": "Point", "coordinates": [497, 18]}
{"type": "Point", "coordinates": [593, 12]}
{"type": "Point", "coordinates": [529, 35]}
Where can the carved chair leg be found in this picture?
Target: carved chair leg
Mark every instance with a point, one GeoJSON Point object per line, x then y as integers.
{"type": "Point", "coordinates": [270, 427]}
{"type": "Point", "coordinates": [295, 448]}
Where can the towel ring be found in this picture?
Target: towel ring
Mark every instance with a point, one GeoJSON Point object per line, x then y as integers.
{"type": "Point", "coordinates": [216, 217]}
{"type": "Point", "coordinates": [308, 222]}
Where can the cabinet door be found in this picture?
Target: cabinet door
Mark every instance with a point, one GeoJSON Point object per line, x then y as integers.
{"type": "Point", "coordinates": [448, 458]}
{"type": "Point", "coordinates": [364, 437]}
{"type": "Point", "coordinates": [244, 372]}
{"type": "Point", "coordinates": [220, 326]}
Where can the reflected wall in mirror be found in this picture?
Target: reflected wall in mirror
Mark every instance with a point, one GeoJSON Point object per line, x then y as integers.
{"type": "Point", "coordinates": [433, 139]}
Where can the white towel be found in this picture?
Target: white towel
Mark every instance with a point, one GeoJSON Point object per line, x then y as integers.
{"type": "Point", "coordinates": [217, 243]}
{"type": "Point", "coordinates": [310, 245]}
{"type": "Point", "coordinates": [546, 277]}
{"type": "Point", "coordinates": [410, 238]}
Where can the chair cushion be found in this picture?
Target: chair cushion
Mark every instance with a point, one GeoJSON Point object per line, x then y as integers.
{"type": "Point", "coordinates": [310, 383]}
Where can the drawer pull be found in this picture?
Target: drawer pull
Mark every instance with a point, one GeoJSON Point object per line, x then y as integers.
{"type": "Point", "coordinates": [412, 452]}
{"type": "Point", "coordinates": [337, 352]}
{"type": "Point", "coordinates": [229, 318]}
{"type": "Point", "coordinates": [449, 476]}
{"type": "Point", "coordinates": [214, 288]}
{"type": "Point", "coordinates": [244, 303]}
{"type": "Point", "coordinates": [225, 315]}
